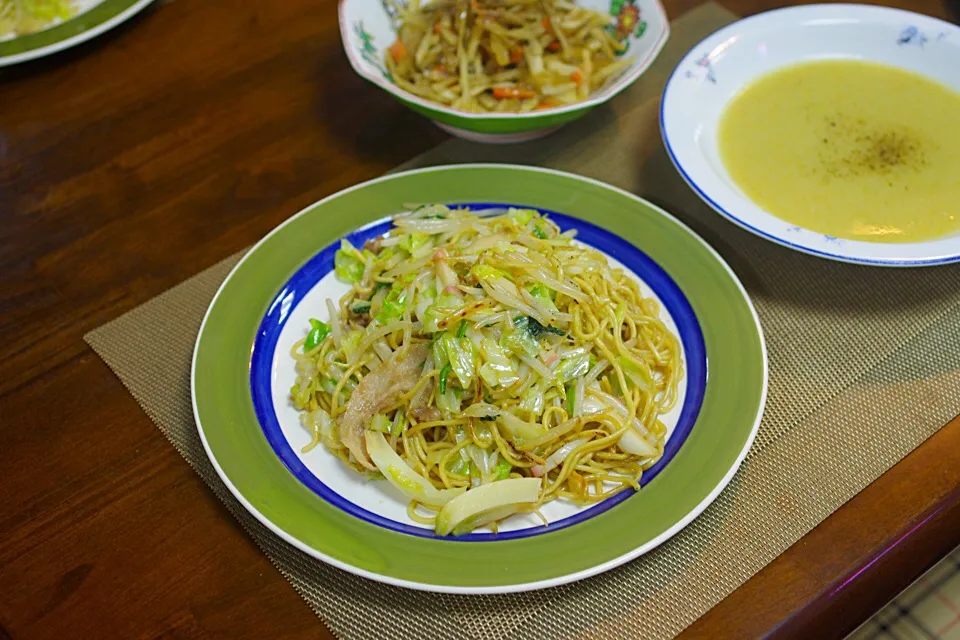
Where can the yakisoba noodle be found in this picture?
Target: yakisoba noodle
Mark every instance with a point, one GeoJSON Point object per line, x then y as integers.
{"type": "Point", "coordinates": [502, 55]}
{"type": "Point", "coordinates": [485, 365]}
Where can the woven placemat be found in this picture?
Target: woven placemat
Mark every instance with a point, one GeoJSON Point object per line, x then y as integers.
{"type": "Point", "coordinates": [864, 366]}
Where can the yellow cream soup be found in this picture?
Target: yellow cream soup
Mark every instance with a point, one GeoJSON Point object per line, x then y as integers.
{"type": "Point", "coordinates": [849, 149]}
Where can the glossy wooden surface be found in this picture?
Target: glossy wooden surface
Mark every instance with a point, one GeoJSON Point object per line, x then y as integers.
{"type": "Point", "coordinates": [138, 159]}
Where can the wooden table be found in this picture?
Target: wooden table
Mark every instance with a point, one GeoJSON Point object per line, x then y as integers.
{"type": "Point", "coordinates": [135, 161]}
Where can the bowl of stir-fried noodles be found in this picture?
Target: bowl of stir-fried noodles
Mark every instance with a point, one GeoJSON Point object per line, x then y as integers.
{"type": "Point", "coordinates": [502, 70]}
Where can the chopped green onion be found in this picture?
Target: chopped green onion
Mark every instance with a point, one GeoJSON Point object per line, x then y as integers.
{"type": "Point", "coordinates": [462, 329]}
{"type": "Point", "coordinates": [444, 374]}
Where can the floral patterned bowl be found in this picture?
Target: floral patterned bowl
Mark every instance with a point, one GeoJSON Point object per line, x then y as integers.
{"type": "Point", "coordinates": [367, 28]}
{"type": "Point", "coordinates": [715, 70]}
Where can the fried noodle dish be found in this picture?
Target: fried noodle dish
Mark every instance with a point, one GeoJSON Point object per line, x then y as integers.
{"type": "Point", "coordinates": [485, 364]}
{"type": "Point", "coordinates": [503, 55]}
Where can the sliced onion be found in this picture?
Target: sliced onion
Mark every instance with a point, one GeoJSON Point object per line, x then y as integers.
{"type": "Point", "coordinates": [557, 457]}
{"type": "Point", "coordinates": [519, 431]}
{"type": "Point", "coordinates": [400, 475]}
{"type": "Point", "coordinates": [635, 439]}
{"type": "Point", "coordinates": [487, 503]}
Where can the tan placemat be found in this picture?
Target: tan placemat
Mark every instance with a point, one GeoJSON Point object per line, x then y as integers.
{"type": "Point", "coordinates": [864, 366]}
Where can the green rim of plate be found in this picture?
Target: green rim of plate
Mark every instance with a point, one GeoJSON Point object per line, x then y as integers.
{"type": "Point", "coordinates": [732, 405]}
{"type": "Point", "coordinates": [70, 29]}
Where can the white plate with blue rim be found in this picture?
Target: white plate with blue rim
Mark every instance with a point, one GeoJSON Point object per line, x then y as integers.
{"type": "Point", "coordinates": [718, 69]}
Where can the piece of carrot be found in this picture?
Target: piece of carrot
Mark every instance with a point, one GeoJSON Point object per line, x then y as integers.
{"type": "Point", "coordinates": [397, 51]}
{"type": "Point", "coordinates": [437, 28]}
{"type": "Point", "coordinates": [577, 76]}
{"type": "Point", "coordinates": [548, 103]}
{"type": "Point", "coordinates": [516, 53]}
{"type": "Point", "coordinates": [503, 93]}
{"type": "Point", "coordinates": [546, 24]}
{"type": "Point", "coordinates": [554, 46]}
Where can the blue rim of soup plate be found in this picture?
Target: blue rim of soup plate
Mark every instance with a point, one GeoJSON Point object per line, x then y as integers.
{"type": "Point", "coordinates": [308, 275]}
{"type": "Point", "coordinates": [892, 262]}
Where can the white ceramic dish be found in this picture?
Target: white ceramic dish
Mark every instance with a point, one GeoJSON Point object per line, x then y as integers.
{"type": "Point", "coordinates": [715, 70]}
{"type": "Point", "coordinates": [368, 27]}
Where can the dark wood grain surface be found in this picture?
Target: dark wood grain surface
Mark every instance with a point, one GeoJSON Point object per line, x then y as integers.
{"type": "Point", "coordinates": [138, 159]}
